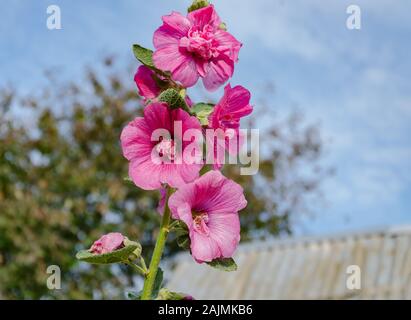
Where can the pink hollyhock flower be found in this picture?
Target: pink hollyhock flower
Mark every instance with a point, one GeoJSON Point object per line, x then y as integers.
{"type": "Point", "coordinates": [153, 163]}
{"type": "Point", "coordinates": [108, 243]}
{"type": "Point", "coordinates": [195, 46]}
{"type": "Point", "coordinates": [209, 207]}
{"type": "Point", "coordinates": [226, 116]}
{"type": "Point", "coordinates": [234, 105]}
{"type": "Point", "coordinates": [146, 83]}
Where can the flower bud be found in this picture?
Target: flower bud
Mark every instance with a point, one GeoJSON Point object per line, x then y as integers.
{"type": "Point", "coordinates": [198, 4]}
{"type": "Point", "coordinates": [108, 243]}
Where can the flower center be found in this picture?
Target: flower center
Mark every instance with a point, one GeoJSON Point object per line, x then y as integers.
{"type": "Point", "coordinates": [166, 148]}
{"type": "Point", "coordinates": [200, 220]}
{"type": "Point", "coordinates": [200, 43]}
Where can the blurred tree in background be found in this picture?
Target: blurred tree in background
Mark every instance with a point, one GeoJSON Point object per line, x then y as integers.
{"type": "Point", "coordinates": [62, 184]}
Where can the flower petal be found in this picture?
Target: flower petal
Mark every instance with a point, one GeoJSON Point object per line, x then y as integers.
{"type": "Point", "coordinates": [203, 248]}
{"type": "Point", "coordinates": [145, 174]}
{"type": "Point", "coordinates": [135, 139]}
{"type": "Point", "coordinates": [221, 195]}
{"type": "Point", "coordinates": [169, 58]}
{"type": "Point", "coordinates": [225, 231]}
{"type": "Point", "coordinates": [175, 26]}
{"type": "Point", "coordinates": [144, 79]}
{"type": "Point", "coordinates": [205, 16]}
{"type": "Point", "coordinates": [227, 44]}
{"type": "Point", "coordinates": [186, 73]}
{"type": "Point", "coordinates": [221, 69]}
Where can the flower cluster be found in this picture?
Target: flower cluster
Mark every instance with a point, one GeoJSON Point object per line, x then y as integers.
{"type": "Point", "coordinates": [187, 48]}
{"type": "Point", "coordinates": [164, 147]}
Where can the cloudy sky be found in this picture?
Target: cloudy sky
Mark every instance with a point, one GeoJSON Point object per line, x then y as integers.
{"type": "Point", "coordinates": [355, 83]}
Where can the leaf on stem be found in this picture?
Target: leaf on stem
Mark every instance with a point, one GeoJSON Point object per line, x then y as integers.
{"type": "Point", "coordinates": [158, 282]}
{"type": "Point", "coordinates": [225, 264]}
{"type": "Point", "coordinates": [202, 111]}
{"type": "Point", "coordinates": [166, 294]}
{"type": "Point", "coordinates": [144, 55]}
{"type": "Point", "coordinates": [134, 295]}
{"type": "Point", "coordinates": [174, 99]}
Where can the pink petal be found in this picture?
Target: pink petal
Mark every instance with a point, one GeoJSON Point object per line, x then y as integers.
{"type": "Point", "coordinates": [186, 73]}
{"type": "Point", "coordinates": [203, 248]}
{"type": "Point", "coordinates": [221, 194]}
{"type": "Point", "coordinates": [180, 203]}
{"type": "Point", "coordinates": [145, 174]}
{"type": "Point", "coordinates": [135, 139]}
{"type": "Point", "coordinates": [175, 26]}
{"type": "Point", "coordinates": [225, 231]}
{"type": "Point", "coordinates": [157, 115]}
{"type": "Point", "coordinates": [227, 44]}
{"type": "Point", "coordinates": [204, 16]}
{"type": "Point", "coordinates": [172, 175]}
{"type": "Point", "coordinates": [237, 102]}
{"type": "Point", "coordinates": [144, 79]}
{"type": "Point", "coordinates": [221, 69]}
{"type": "Point", "coordinates": [169, 58]}
{"type": "Point", "coordinates": [108, 243]}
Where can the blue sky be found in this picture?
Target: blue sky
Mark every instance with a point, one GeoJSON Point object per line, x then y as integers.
{"type": "Point", "coordinates": [355, 83]}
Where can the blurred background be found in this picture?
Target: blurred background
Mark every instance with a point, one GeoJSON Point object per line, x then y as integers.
{"type": "Point", "coordinates": [333, 107]}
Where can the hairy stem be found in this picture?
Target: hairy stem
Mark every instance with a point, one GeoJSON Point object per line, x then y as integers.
{"type": "Point", "coordinates": [158, 252]}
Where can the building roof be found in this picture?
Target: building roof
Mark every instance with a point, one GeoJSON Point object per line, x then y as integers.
{"type": "Point", "coordinates": [306, 268]}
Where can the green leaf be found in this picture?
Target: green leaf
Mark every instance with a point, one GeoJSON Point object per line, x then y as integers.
{"type": "Point", "coordinates": [198, 4]}
{"type": "Point", "coordinates": [131, 250]}
{"type": "Point", "coordinates": [134, 295]}
{"type": "Point", "coordinates": [225, 264]}
{"type": "Point", "coordinates": [183, 241]}
{"type": "Point", "coordinates": [202, 111]}
{"type": "Point", "coordinates": [222, 26]}
{"type": "Point", "coordinates": [174, 99]}
{"type": "Point", "coordinates": [166, 294]}
{"type": "Point", "coordinates": [182, 237]}
{"type": "Point", "coordinates": [157, 283]}
{"type": "Point", "coordinates": [145, 56]}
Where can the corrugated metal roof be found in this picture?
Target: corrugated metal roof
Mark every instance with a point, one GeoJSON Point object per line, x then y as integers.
{"type": "Point", "coordinates": [309, 268]}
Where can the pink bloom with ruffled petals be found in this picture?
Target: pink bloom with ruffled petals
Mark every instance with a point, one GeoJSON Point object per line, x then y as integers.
{"type": "Point", "coordinates": [196, 46]}
{"type": "Point", "coordinates": [209, 207]}
{"type": "Point", "coordinates": [108, 243]}
{"type": "Point", "coordinates": [148, 172]}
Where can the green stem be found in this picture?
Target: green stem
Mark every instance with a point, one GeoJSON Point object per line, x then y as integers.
{"type": "Point", "coordinates": [157, 253]}
{"type": "Point", "coordinates": [137, 268]}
